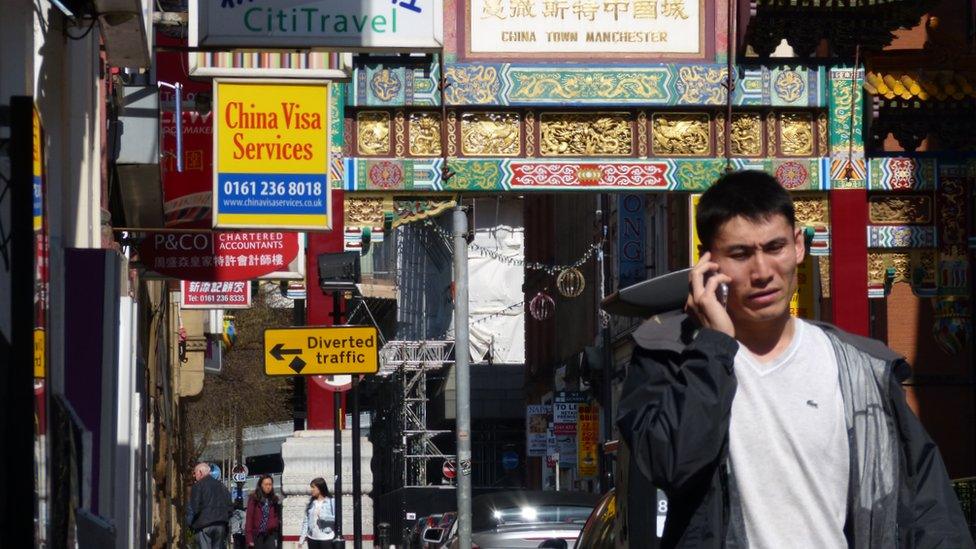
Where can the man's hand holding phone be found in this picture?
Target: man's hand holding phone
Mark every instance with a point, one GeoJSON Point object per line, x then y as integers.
{"type": "Point", "coordinates": [703, 296]}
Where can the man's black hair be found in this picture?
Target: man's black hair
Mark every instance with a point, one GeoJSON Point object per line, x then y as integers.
{"type": "Point", "coordinates": [751, 194]}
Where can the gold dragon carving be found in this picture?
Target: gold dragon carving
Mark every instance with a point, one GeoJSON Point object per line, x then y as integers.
{"type": "Point", "coordinates": [811, 211]}
{"type": "Point", "coordinates": [746, 136]}
{"type": "Point", "coordinates": [425, 134]}
{"type": "Point", "coordinates": [365, 211]}
{"type": "Point", "coordinates": [680, 134]}
{"type": "Point", "coordinates": [585, 134]}
{"type": "Point", "coordinates": [490, 134]}
{"type": "Point", "coordinates": [901, 209]}
{"type": "Point", "coordinates": [373, 132]}
{"type": "Point", "coordinates": [796, 134]}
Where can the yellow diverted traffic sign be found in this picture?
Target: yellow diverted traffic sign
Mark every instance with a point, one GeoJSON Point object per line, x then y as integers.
{"type": "Point", "coordinates": [332, 350]}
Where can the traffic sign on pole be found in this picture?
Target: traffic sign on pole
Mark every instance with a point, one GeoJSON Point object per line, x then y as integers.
{"type": "Point", "coordinates": [239, 473]}
{"type": "Point", "coordinates": [449, 469]}
{"type": "Point", "coordinates": [321, 351]}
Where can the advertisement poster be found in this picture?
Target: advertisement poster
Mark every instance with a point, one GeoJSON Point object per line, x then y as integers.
{"type": "Point", "coordinates": [272, 155]}
{"type": "Point", "coordinates": [537, 419]}
{"type": "Point", "coordinates": [589, 441]}
{"type": "Point", "coordinates": [564, 416]}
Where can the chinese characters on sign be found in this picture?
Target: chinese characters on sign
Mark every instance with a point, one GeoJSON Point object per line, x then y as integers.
{"type": "Point", "coordinates": [215, 295]}
{"type": "Point", "coordinates": [221, 256]}
{"type": "Point", "coordinates": [655, 27]}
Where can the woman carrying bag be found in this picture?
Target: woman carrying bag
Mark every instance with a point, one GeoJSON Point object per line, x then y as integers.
{"type": "Point", "coordinates": [318, 528]}
{"type": "Point", "coordinates": [263, 516]}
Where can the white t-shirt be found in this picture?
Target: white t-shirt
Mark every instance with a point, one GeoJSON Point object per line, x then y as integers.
{"type": "Point", "coordinates": [788, 445]}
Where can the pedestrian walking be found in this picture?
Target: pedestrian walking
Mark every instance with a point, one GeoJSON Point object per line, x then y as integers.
{"type": "Point", "coordinates": [209, 509]}
{"type": "Point", "coordinates": [769, 431]}
{"type": "Point", "coordinates": [318, 528]}
{"type": "Point", "coordinates": [263, 515]}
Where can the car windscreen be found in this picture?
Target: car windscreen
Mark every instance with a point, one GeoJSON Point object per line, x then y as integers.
{"type": "Point", "coordinates": [542, 514]}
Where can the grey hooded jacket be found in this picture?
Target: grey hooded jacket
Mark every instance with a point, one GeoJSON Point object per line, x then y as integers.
{"type": "Point", "coordinates": [674, 417]}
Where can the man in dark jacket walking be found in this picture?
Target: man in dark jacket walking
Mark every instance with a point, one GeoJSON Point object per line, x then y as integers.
{"type": "Point", "coordinates": [768, 431]}
{"type": "Point", "coordinates": [209, 510]}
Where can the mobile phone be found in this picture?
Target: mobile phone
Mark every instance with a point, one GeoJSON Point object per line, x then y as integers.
{"type": "Point", "coordinates": [722, 292]}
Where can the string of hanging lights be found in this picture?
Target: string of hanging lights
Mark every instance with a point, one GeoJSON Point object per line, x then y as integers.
{"type": "Point", "coordinates": [551, 270]}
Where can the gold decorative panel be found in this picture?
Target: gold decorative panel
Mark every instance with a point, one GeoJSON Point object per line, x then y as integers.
{"type": "Point", "coordinates": [720, 130]}
{"type": "Point", "coordinates": [373, 133]}
{"type": "Point", "coordinates": [680, 134]}
{"type": "Point", "coordinates": [585, 134]}
{"type": "Point", "coordinates": [452, 133]}
{"type": "Point", "coordinates": [770, 132]}
{"type": "Point", "coordinates": [366, 211]}
{"type": "Point", "coordinates": [901, 210]}
{"type": "Point", "coordinates": [916, 267]}
{"type": "Point", "coordinates": [824, 277]}
{"type": "Point", "coordinates": [490, 134]}
{"type": "Point", "coordinates": [401, 133]}
{"type": "Point", "coordinates": [822, 134]}
{"type": "Point", "coordinates": [811, 211]}
{"type": "Point", "coordinates": [425, 134]}
{"type": "Point", "coordinates": [746, 135]}
{"type": "Point", "coordinates": [796, 134]}
{"type": "Point", "coordinates": [642, 134]}
{"type": "Point", "coordinates": [530, 134]}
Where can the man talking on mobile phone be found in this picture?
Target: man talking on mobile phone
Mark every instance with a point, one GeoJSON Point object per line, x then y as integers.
{"type": "Point", "coordinates": [767, 431]}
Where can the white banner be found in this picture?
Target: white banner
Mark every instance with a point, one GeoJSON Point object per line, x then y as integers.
{"type": "Point", "coordinates": [586, 26]}
{"type": "Point", "coordinates": [346, 25]}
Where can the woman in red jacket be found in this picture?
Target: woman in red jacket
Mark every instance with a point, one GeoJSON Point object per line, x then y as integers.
{"type": "Point", "coordinates": [263, 516]}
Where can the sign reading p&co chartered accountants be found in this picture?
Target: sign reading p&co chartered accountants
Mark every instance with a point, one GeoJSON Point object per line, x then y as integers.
{"type": "Point", "coordinates": [272, 155]}
{"type": "Point", "coordinates": [333, 350]}
{"type": "Point", "coordinates": [343, 25]}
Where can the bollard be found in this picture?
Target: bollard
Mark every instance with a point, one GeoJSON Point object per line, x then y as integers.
{"type": "Point", "coordinates": [383, 534]}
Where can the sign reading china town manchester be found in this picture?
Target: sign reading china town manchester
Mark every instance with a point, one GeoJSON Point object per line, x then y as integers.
{"type": "Point", "coordinates": [540, 28]}
{"type": "Point", "coordinates": [345, 25]}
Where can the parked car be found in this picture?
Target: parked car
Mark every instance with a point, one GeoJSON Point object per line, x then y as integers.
{"type": "Point", "coordinates": [512, 520]}
{"type": "Point", "coordinates": [625, 518]}
{"type": "Point", "coordinates": [435, 536]}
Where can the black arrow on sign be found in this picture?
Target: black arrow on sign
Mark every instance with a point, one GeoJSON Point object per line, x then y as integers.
{"type": "Point", "coordinates": [297, 364]}
{"type": "Point", "coordinates": [278, 351]}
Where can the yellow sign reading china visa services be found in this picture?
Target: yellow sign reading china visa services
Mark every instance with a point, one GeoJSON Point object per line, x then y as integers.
{"type": "Point", "coordinates": [271, 146]}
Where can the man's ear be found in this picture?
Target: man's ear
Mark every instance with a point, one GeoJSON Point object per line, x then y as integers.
{"type": "Point", "coordinates": [800, 243]}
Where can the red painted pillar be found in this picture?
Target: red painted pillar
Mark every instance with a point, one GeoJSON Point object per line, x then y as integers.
{"type": "Point", "coordinates": [849, 259]}
{"type": "Point", "coordinates": [318, 312]}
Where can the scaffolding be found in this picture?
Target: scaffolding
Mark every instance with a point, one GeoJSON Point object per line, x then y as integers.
{"type": "Point", "coordinates": [408, 364]}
